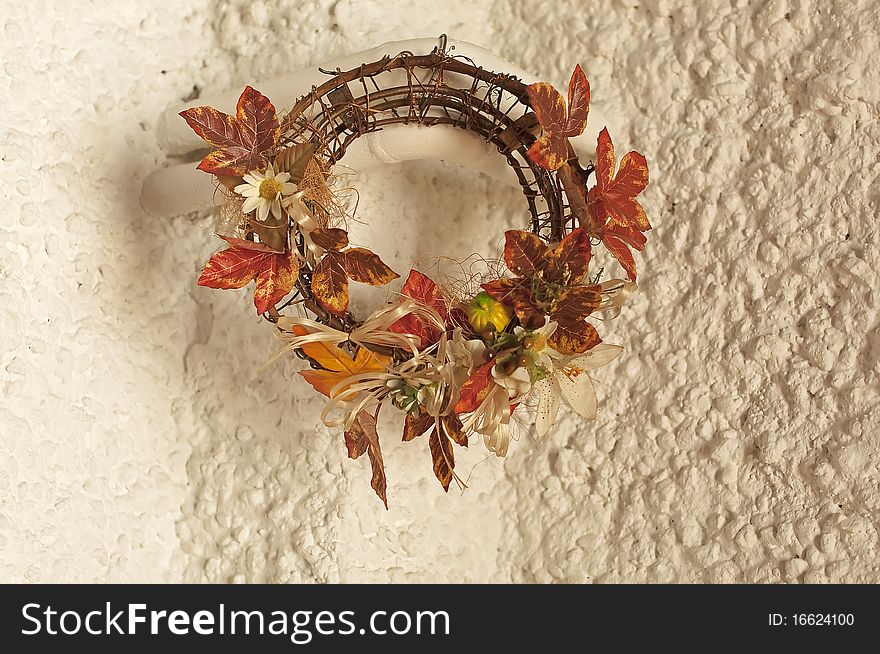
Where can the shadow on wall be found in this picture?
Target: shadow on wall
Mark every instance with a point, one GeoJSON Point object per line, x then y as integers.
{"type": "Point", "coordinates": [270, 493]}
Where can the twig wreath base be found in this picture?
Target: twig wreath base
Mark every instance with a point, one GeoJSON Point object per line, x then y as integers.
{"type": "Point", "coordinates": [459, 366]}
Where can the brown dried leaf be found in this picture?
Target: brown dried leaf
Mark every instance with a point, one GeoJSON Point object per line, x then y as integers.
{"type": "Point", "coordinates": [330, 283]}
{"type": "Point", "coordinates": [577, 303]}
{"type": "Point", "coordinates": [366, 267]}
{"type": "Point", "coordinates": [444, 458]}
{"type": "Point", "coordinates": [330, 238]}
{"type": "Point", "coordinates": [272, 232]}
{"type": "Point", "coordinates": [454, 429]}
{"type": "Point", "coordinates": [294, 160]}
{"type": "Point", "coordinates": [363, 437]}
{"type": "Point", "coordinates": [573, 336]}
{"type": "Point", "coordinates": [230, 181]}
{"type": "Point", "coordinates": [416, 424]}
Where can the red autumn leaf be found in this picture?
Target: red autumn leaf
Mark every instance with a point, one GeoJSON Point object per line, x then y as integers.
{"type": "Point", "coordinates": [241, 141]}
{"type": "Point", "coordinates": [458, 318]}
{"type": "Point", "coordinates": [617, 239]}
{"type": "Point", "coordinates": [275, 272]}
{"type": "Point", "coordinates": [612, 202]}
{"type": "Point", "coordinates": [332, 238]}
{"type": "Point", "coordinates": [330, 283]}
{"type": "Point", "coordinates": [550, 151]}
{"type": "Point", "coordinates": [366, 267]}
{"type": "Point", "coordinates": [363, 437]}
{"type": "Point", "coordinates": [475, 389]}
{"type": "Point", "coordinates": [250, 245]}
{"type": "Point", "coordinates": [422, 289]}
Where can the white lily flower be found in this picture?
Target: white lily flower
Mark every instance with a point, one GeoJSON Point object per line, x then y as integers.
{"type": "Point", "coordinates": [517, 383]}
{"type": "Point", "coordinates": [465, 355]}
{"type": "Point", "coordinates": [536, 344]}
{"type": "Point", "coordinates": [571, 381]}
{"type": "Point", "coordinates": [264, 191]}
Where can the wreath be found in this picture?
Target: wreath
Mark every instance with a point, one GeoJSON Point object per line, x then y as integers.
{"type": "Point", "coordinates": [458, 363]}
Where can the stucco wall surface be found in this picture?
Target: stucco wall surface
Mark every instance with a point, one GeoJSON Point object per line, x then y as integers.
{"type": "Point", "coordinates": [739, 437]}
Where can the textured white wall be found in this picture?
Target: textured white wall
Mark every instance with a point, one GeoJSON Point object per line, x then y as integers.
{"type": "Point", "coordinates": [740, 437]}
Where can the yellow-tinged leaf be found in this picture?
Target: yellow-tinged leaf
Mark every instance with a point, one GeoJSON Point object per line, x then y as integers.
{"type": "Point", "coordinates": [275, 272]}
{"type": "Point", "coordinates": [366, 267]}
{"type": "Point", "coordinates": [337, 363]}
{"type": "Point", "coordinates": [330, 283]}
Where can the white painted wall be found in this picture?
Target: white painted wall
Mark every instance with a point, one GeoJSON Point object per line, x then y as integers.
{"type": "Point", "coordinates": [740, 436]}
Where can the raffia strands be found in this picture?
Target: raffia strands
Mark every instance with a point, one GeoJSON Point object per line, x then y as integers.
{"type": "Point", "coordinates": [352, 394]}
{"type": "Point", "coordinates": [459, 279]}
{"type": "Point", "coordinates": [373, 331]}
{"type": "Point", "coordinates": [230, 218]}
{"type": "Point", "coordinates": [615, 293]}
{"type": "Point", "coordinates": [319, 194]}
{"type": "Point", "coordinates": [429, 368]}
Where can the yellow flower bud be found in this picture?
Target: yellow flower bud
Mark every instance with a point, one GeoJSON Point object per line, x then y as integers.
{"type": "Point", "coordinates": [485, 313]}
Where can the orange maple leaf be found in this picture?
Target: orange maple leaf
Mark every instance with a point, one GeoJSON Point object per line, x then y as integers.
{"type": "Point", "coordinates": [337, 364]}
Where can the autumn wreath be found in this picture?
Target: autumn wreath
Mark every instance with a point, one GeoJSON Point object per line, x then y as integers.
{"type": "Point", "coordinates": [459, 365]}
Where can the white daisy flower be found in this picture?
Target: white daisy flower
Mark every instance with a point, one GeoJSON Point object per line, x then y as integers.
{"type": "Point", "coordinates": [264, 191]}
{"type": "Point", "coordinates": [571, 382]}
